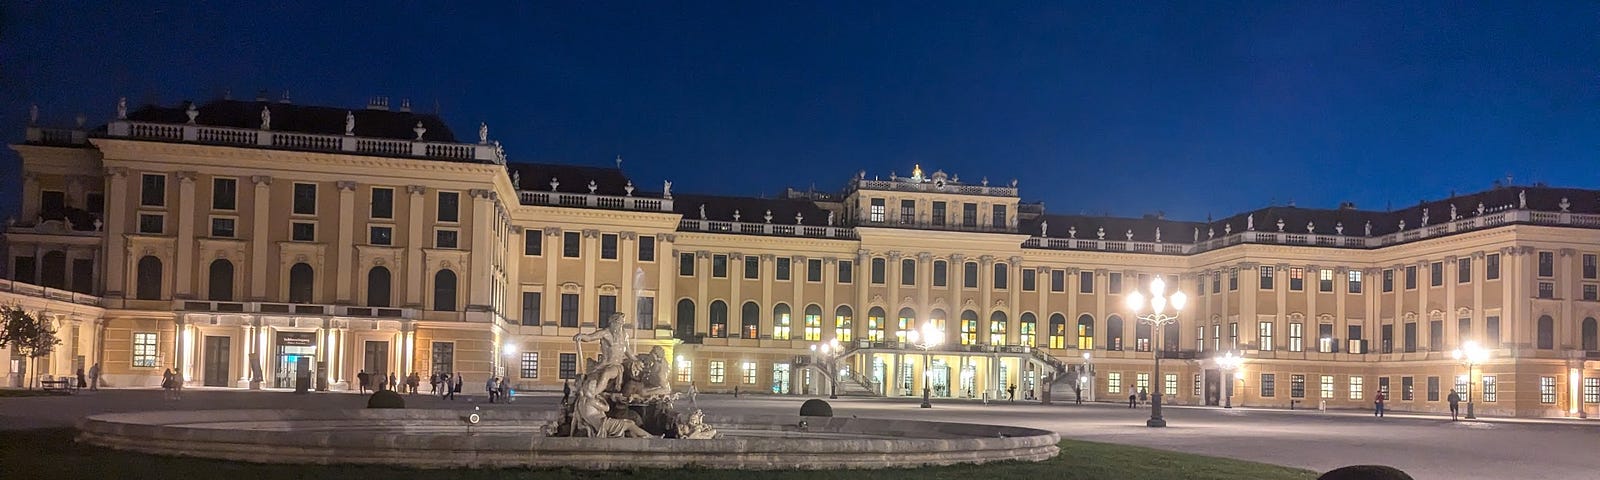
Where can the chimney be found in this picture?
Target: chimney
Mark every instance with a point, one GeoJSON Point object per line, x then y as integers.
{"type": "Point", "coordinates": [285, 99]}
{"type": "Point", "coordinates": [405, 104]}
{"type": "Point", "coordinates": [1347, 205]}
{"type": "Point", "coordinates": [378, 103]}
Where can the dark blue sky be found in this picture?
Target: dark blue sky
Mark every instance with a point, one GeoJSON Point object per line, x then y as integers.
{"type": "Point", "coordinates": [1120, 107]}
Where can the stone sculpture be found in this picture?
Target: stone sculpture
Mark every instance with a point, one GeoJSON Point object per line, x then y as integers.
{"type": "Point", "coordinates": [1522, 200]}
{"type": "Point", "coordinates": [349, 123]}
{"type": "Point", "coordinates": [694, 427]}
{"type": "Point", "coordinates": [483, 133]}
{"type": "Point", "coordinates": [1044, 228]}
{"type": "Point", "coordinates": [621, 395]}
{"type": "Point", "coordinates": [122, 108]}
{"type": "Point", "coordinates": [666, 189]}
{"type": "Point", "coordinates": [1250, 222]}
{"type": "Point", "coordinates": [266, 118]}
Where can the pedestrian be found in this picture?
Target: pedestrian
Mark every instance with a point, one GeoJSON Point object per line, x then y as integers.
{"type": "Point", "coordinates": [735, 391]}
{"type": "Point", "coordinates": [1077, 396]}
{"type": "Point", "coordinates": [413, 381]}
{"type": "Point", "coordinates": [433, 384]}
{"type": "Point", "coordinates": [1377, 403]}
{"type": "Point", "coordinates": [361, 378]}
{"type": "Point", "coordinates": [1133, 400]}
{"type": "Point", "coordinates": [1455, 404]}
{"type": "Point", "coordinates": [94, 377]}
{"type": "Point", "coordinates": [1144, 396]}
{"type": "Point", "coordinates": [457, 388]}
{"type": "Point", "coordinates": [168, 385]}
{"type": "Point", "coordinates": [83, 380]}
{"type": "Point", "coordinates": [566, 391]}
{"type": "Point", "coordinates": [505, 389]}
{"type": "Point", "coordinates": [392, 383]}
{"type": "Point", "coordinates": [493, 388]}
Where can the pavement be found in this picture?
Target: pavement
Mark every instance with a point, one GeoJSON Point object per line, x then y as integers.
{"type": "Point", "coordinates": [1426, 446]}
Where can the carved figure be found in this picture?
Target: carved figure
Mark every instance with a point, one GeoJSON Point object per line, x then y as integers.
{"type": "Point", "coordinates": [33, 114]}
{"type": "Point", "coordinates": [1044, 228]}
{"type": "Point", "coordinates": [830, 218]}
{"type": "Point", "coordinates": [1072, 231]}
{"type": "Point", "coordinates": [1564, 204]}
{"type": "Point", "coordinates": [349, 123]}
{"type": "Point", "coordinates": [1101, 233]}
{"type": "Point", "coordinates": [614, 344]}
{"type": "Point", "coordinates": [702, 211]}
{"type": "Point", "coordinates": [1453, 216]}
{"type": "Point", "coordinates": [122, 108]}
{"type": "Point", "coordinates": [1339, 228]}
{"type": "Point", "coordinates": [666, 189]}
{"type": "Point", "coordinates": [694, 427]}
{"type": "Point", "coordinates": [266, 118]}
{"type": "Point", "coordinates": [483, 132]}
{"type": "Point", "coordinates": [1369, 228]}
{"type": "Point", "coordinates": [1424, 217]}
{"type": "Point", "coordinates": [1522, 200]}
{"type": "Point", "coordinates": [1158, 234]}
{"type": "Point", "coordinates": [1250, 222]}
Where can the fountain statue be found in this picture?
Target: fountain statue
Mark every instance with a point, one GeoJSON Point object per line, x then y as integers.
{"type": "Point", "coordinates": [623, 395]}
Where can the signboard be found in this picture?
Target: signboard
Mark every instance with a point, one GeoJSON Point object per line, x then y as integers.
{"type": "Point", "coordinates": [297, 339]}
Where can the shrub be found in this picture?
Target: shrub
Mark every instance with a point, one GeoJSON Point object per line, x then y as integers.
{"type": "Point", "coordinates": [816, 407]}
{"type": "Point", "coordinates": [1365, 472]}
{"type": "Point", "coordinates": [386, 399]}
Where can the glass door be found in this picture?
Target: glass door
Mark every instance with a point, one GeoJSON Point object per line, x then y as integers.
{"type": "Point", "coordinates": [780, 378]}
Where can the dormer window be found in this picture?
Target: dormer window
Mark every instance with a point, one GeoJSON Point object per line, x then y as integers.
{"type": "Point", "coordinates": [876, 212]}
{"type": "Point", "coordinates": [908, 212]}
{"type": "Point", "coordinates": [999, 216]}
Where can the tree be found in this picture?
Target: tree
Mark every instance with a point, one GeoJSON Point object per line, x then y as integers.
{"type": "Point", "coordinates": [29, 334]}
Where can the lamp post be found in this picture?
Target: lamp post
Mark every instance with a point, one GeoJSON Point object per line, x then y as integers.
{"type": "Point", "coordinates": [1471, 354]}
{"type": "Point", "coordinates": [827, 354]}
{"type": "Point", "coordinates": [1086, 378]}
{"type": "Point", "coordinates": [1228, 362]}
{"type": "Point", "coordinates": [930, 337]}
{"type": "Point", "coordinates": [1157, 318]}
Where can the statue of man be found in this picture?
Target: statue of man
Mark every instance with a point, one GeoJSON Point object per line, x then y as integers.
{"type": "Point", "coordinates": [614, 344]}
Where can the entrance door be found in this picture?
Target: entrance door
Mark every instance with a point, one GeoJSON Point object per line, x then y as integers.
{"type": "Point", "coordinates": [377, 362]}
{"type": "Point", "coordinates": [939, 378]}
{"type": "Point", "coordinates": [1213, 387]}
{"type": "Point", "coordinates": [216, 360]}
{"type": "Point", "coordinates": [780, 378]}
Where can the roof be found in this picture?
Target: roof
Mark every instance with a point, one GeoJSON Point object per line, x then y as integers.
{"type": "Point", "coordinates": [1354, 221]}
{"type": "Point", "coordinates": [288, 117]}
{"type": "Point", "coordinates": [750, 209]}
{"type": "Point", "coordinates": [572, 179]}
{"type": "Point", "coordinates": [1116, 228]}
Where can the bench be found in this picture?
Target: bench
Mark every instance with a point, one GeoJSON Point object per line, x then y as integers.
{"type": "Point", "coordinates": [60, 384]}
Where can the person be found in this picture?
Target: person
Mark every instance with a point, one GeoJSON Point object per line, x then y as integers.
{"type": "Point", "coordinates": [433, 384]}
{"type": "Point", "coordinates": [413, 381]}
{"type": "Point", "coordinates": [457, 388]}
{"type": "Point", "coordinates": [1377, 403]}
{"type": "Point", "coordinates": [566, 391]}
{"type": "Point", "coordinates": [362, 377]}
{"type": "Point", "coordinates": [83, 380]}
{"type": "Point", "coordinates": [1133, 400]}
{"type": "Point", "coordinates": [449, 386]}
{"type": "Point", "coordinates": [505, 389]}
{"type": "Point", "coordinates": [168, 383]}
{"type": "Point", "coordinates": [1144, 396]}
{"type": "Point", "coordinates": [1011, 393]}
{"type": "Point", "coordinates": [1077, 396]}
{"type": "Point", "coordinates": [492, 386]}
{"type": "Point", "coordinates": [94, 377]}
{"type": "Point", "coordinates": [735, 391]}
{"type": "Point", "coordinates": [392, 382]}
{"type": "Point", "coordinates": [1455, 404]}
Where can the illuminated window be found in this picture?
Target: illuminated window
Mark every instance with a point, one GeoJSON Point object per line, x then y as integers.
{"type": "Point", "coordinates": [1327, 386]}
{"type": "Point", "coordinates": [685, 370]}
{"type": "Point", "coordinates": [843, 325]}
{"type": "Point", "coordinates": [144, 349]}
{"type": "Point", "coordinates": [875, 325]}
{"type": "Point", "coordinates": [1114, 382]}
{"type": "Point", "coordinates": [969, 328]}
{"type": "Point", "coordinates": [997, 328]}
{"type": "Point", "coordinates": [1085, 332]}
{"type": "Point", "coordinates": [1264, 332]}
{"type": "Point", "coordinates": [1169, 384]}
{"type": "Point", "coordinates": [530, 365]}
{"type": "Point", "coordinates": [780, 322]}
{"type": "Point", "coordinates": [1357, 387]}
{"type": "Point", "coordinates": [749, 373]}
{"type": "Point", "coordinates": [1547, 389]}
{"type": "Point", "coordinates": [717, 371]}
{"type": "Point", "coordinates": [813, 323]}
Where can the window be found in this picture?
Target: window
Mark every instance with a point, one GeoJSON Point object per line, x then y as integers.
{"type": "Point", "coordinates": [1436, 335]}
{"type": "Point", "coordinates": [1266, 277]}
{"type": "Point", "coordinates": [1353, 280]}
{"type": "Point", "coordinates": [749, 371]}
{"type": "Point", "coordinates": [303, 231]}
{"type": "Point", "coordinates": [1547, 389]}
{"type": "Point", "coordinates": [305, 199]}
{"type": "Point", "coordinates": [783, 269]}
{"type": "Point", "coordinates": [571, 244]}
{"type": "Point", "coordinates": [1589, 338]}
{"type": "Point", "coordinates": [813, 323]}
{"type": "Point", "coordinates": [1325, 280]}
{"type": "Point", "coordinates": [969, 275]}
{"type": "Point", "coordinates": [95, 202]}
{"type": "Point", "coordinates": [1327, 386]}
{"type": "Point", "coordinates": [999, 216]}
{"type": "Point", "coordinates": [1491, 267]}
{"type": "Point", "coordinates": [1491, 331]}
{"type": "Point", "coordinates": [378, 287]}
{"type": "Point", "coordinates": [814, 270]}
{"type": "Point", "coordinates": [1029, 280]}
{"type": "Point", "coordinates": [1411, 277]}
{"type": "Point", "coordinates": [1114, 333]}
{"type": "Point", "coordinates": [569, 309]}
{"type": "Point", "coordinates": [1464, 270]}
{"type": "Point", "coordinates": [531, 302]}
{"type": "Point", "coordinates": [1114, 283]}
{"type": "Point", "coordinates": [878, 271]}
{"type": "Point", "coordinates": [1357, 388]}
{"type": "Point", "coordinates": [221, 278]}
{"type": "Point", "coordinates": [1233, 336]}
{"type": "Point", "coordinates": [719, 266]}
{"type": "Point", "coordinates": [444, 291]}
{"type": "Point", "coordinates": [647, 248]}
{"type": "Point", "coordinates": [52, 202]}
{"type": "Point", "coordinates": [877, 211]}
{"type": "Point", "coordinates": [1433, 389]}
{"type": "Point", "coordinates": [780, 322]}
{"type": "Point", "coordinates": [224, 194]}
{"type": "Point", "coordinates": [444, 357]}
{"type": "Point", "coordinates": [222, 227]}
{"type": "Point", "coordinates": [608, 246]}
{"type": "Point", "coordinates": [1388, 280]}
{"type": "Point", "coordinates": [1085, 332]}
{"type": "Point", "coordinates": [446, 238]}
{"type": "Point", "coordinates": [1264, 333]}
{"type": "Point", "coordinates": [1590, 292]}
{"type": "Point", "coordinates": [1085, 282]}
{"type": "Point", "coordinates": [150, 279]}
{"type": "Point", "coordinates": [1297, 279]}
{"type": "Point", "coordinates": [533, 242]}
{"type": "Point", "coordinates": [1114, 382]}
{"type": "Point", "coordinates": [1169, 384]}
{"type": "Point", "coordinates": [1200, 338]}
{"type": "Point", "coordinates": [750, 320]}
{"type": "Point", "coordinates": [1296, 336]}
{"type": "Point", "coordinates": [1461, 384]}
{"type": "Point", "coordinates": [1198, 386]}
{"type": "Point", "coordinates": [380, 235]}
{"type": "Point", "coordinates": [1407, 388]}
{"type": "Point", "coordinates": [969, 215]}
{"type": "Point", "coordinates": [938, 214]}
{"type": "Point", "coordinates": [1058, 280]}
{"type": "Point", "coordinates": [151, 223]}
{"type": "Point", "coordinates": [1589, 271]}
{"type": "Point", "coordinates": [1200, 284]}
{"type": "Point", "coordinates": [645, 318]}
{"type": "Point", "coordinates": [940, 273]}
{"type": "Point", "coordinates": [1410, 337]}
{"type": "Point", "coordinates": [1547, 264]}
{"type": "Point", "coordinates": [1216, 337]}
{"type": "Point", "coordinates": [1297, 386]}
{"type": "Point", "coordinates": [718, 371]}
{"type": "Point", "coordinates": [1057, 331]}
{"type": "Point", "coordinates": [684, 320]}
{"type": "Point", "coordinates": [569, 366]}
{"type": "Point", "coordinates": [908, 212]}
{"type": "Point", "coordinates": [1435, 274]}
{"type": "Point", "coordinates": [1269, 385]}
{"type": "Point", "coordinates": [1001, 280]}
{"type": "Point", "coordinates": [719, 319]}
{"type": "Point", "coordinates": [606, 307]}
{"type": "Point", "coordinates": [1386, 335]}
{"type": "Point", "coordinates": [875, 325]}
{"type": "Point", "coordinates": [1547, 290]}
{"type": "Point", "coordinates": [530, 365]}
{"type": "Point", "coordinates": [449, 207]}
{"type": "Point", "coordinates": [153, 190]}
{"type": "Point", "coordinates": [382, 203]}
{"type": "Point", "coordinates": [1463, 330]}
{"type": "Point", "coordinates": [144, 349]}
{"type": "Point", "coordinates": [302, 281]}
{"type": "Point", "coordinates": [1233, 280]}
{"type": "Point", "coordinates": [847, 273]}
{"type": "Point", "coordinates": [1591, 390]}
{"type": "Point", "coordinates": [908, 272]}
{"type": "Point", "coordinates": [843, 324]}
{"type": "Point", "coordinates": [686, 264]}
{"type": "Point", "coordinates": [1545, 333]}
{"type": "Point", "coordinates": [752, 267]}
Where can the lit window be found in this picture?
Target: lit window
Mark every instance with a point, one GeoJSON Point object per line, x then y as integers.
{"type": "Point", "coordinates": [718, 370]}
{"type": "Point", "coordinates": [1357, 388]}
{"type": "Point", "coordinates": [1114, 382]}
{"type": "Point", "coordinates": [530, 364]}
{"type": "Point", "coordinates": [1547, 389]}
{"type": "Point", "coordinates": [1327, 386]}
{"type": "Point", "coordinates": [144, 349]}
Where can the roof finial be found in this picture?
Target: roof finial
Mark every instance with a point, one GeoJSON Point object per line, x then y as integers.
{"type": "Point", "coordinates": [420, 130]}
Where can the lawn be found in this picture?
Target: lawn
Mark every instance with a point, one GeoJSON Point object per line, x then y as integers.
{"type": "Point", "coordinates": [49, 454]}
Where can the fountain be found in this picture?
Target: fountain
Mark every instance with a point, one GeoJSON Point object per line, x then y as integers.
{"type": "Point", "coordinates": [621, 394]}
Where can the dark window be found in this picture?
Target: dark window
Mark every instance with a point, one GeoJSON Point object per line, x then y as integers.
{"type": "Point", "coordinates": [719, 319]}
{"type": "Point", "coordinates": [1491, 331]}
{"type": "Point", "coordinates": [1058, 280]}
{"type": "Point", "coordinates": [381, 235]}
{"type": "Point", "coordinates": [1433, 389]}
{"type": "Point", "coordinates": [1411, 277]}
{"type": "Point", "coordinates": [1386, 334]}
{"type": "Point", "coordinates": [83, 275]}
{"type": "Point", "coordinates": [303, 231]}
{"type": "Point", "coordinates": [814, 270]}
{"type": "Point", "coordinates": [1114, 333]}
{"type": "Point", "coordinates": [1233, 280]}
{"type": "Point", "coordinates": [752, 267]}
{"type": "Point", "coordinates": [1141, 337]}
{"type": "Point", "coordinates": [571, 244]}
{"type": "Point", "coordinates": [533, 242]}
{"type": "Point", "coordinates": [1002, 279]}
{"type": "Point", "coordinates": [847, 272]}
{"type": "Point", "coordinates": [750, 320]}
{"type": "Point", "coordinates": [1297, 386]}
{"type": "Point", "coordinates": [1547, 290]}
{"type": "Point", "coordinates": [302, 281]}
{"type": "Point", "coordinates": [1589, 266]}
{"type": "Point", "coordinates": [1589, 336]}
{"type": "Point", "coordinates": [999, 216]}
{"type": "Point", "coordinates": [908, 272]}
{"type": "Point", "coordinates": [1216, 283]}
{"type": "Point", "coordinates": [1297, 279]}
{"type": "Point", "coordinates": [1436, 335]}
{"type": "Point", "coordinates": [908, 212]}
{"type": "Point", "coordinates": [1591, 292]}
{"type": "Point", "coordinates": [1269, 385]}
{"type": "Point", "coordinates": [151, 223]}
{"type": "Point", "coordinates": [719, 266]}
{"type": "Point", "coordinates": [783, 269]}
{"type": "Point", "coordinates": [646, 316]}
{"type": "Point", "coordinates": [607, 306]}
{"type": "Point", "coordinates": [221, 278]}
{"type": "Point", "coordinates": [96, 203]}
{"type": "Point", "coordinates": [686, 264]}
{"type": "Point", "coordinates": [153, 190]}
{"type": "Point", "coordinates": [224, 193]}
{"type": "Point", "coordinates": [446, 239]}
{"type": "Point", "coordinates": [940, 273]}
{"type": "Point", "coordinates": [1463, 330]}
{"type": "Point", "coordinates": [1463, 270]}
{"type": "Point", "coordinates": [449, 207]}
{"type": "Point", "coordinates": [938, 214]}
{"type": "Point", "coordinates": [969, 277]}
{"type": "Point", "coordinates": [222, 227]}
{"type": "Point", "coordinates": [685, 320]}
{"type": "Point", "coordinates": [647, 248]}
{"type": "Point", "coordinates": [1114, 283]}
{"type": "Point", "coordinates": [1546, 332]}
{"type": "Point", "coordinates": [969, 214]}
{"type": "Point", "coordinates": [382, 203]}
{"type": "Point", "coordinates": [305, 199]}
{"type": "Point", "coordinates": [1030, 280]}
{"type": "Point", "coordinates": [569, 309]}
{"type": "Point", "coordinates": [26, 267]}
{"type": "Point", "coordinates": [1547, 264]}
{"type": "Point", "coordinates": [608, 246]}
{"type": "Point", "coordinates": [52, 204]}
{"type": "Point", "coordinates": [1408, 388]}
{"type": "Point", "coordinates": [1435, 274]}
{"type": "Point", "coordinates": [1266, 277]}
{"type": "Point", "coordinates": [1085, 282]}
{"type": "Point", "coordinates": [444, 357]}
{"type": "Point", "coordinates": [1388, 280]}
{"type": "Point", "coordinates": [1491, 266]}
{"type": "Point", "coordinates": [568, 366]}
{"type": "Point", "coordinates": [1411, 337]}
{"type": "Point", "coordinates": [379, 287]}
{"type": "Point", "coordinates": [878, 271]}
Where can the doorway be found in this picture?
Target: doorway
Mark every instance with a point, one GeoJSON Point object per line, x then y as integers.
{"type": "Point", "coordinates": [780, 378]}
{"type": "Point", "coordinates": [216, 360]}
{"type": "Point", "coordinates": [376, 362]}
{"type": "Point", "coordinates": [1213, 387]}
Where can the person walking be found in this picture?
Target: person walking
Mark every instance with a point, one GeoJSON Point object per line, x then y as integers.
{"type": "Point", "coordinates": [449, 386]}
{"type": "Point", "coordinates": [1011, 393]}
{"type": "Point", "coordinates": [1133, 400]}
{"type": "Point", "coordinates": [457, 388]}
{"type": "Point", "coordinates": [1077, 394]}
{"type": "Point", "coordinates": [1455, 404]}
{"type": "Point", "coordinates": [1144, 396]}
{"type": "Point", "coordinates": [392, 382]}
{"type": "Point", "coordinates": [83, 380]}
{"type": "Point", "coordinates": [94, 377]}
{"type": "Point", "coordinates": [1377, 404]}
{"type": "Point", "coordinates": [362, 377]}
{"type": "Point", "coordinates": [493, 388]}
{"type": "Point", "coordinates": [433, 384]}
{"type": "Point", "coordinates": [505, 389]}
{"type": "Point", "coordinates": [413, 381]}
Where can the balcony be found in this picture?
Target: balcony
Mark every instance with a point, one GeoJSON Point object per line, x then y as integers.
{"type": "Point", "coordinates": [32, 290]}
{"type": "Point", "coordinates": [295, 309]}
{"type": "Point", "coordinates": [243, 137]}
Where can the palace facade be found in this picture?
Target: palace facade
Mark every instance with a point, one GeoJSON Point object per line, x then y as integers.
{"type": "Point", "coordinates": [240, 242]}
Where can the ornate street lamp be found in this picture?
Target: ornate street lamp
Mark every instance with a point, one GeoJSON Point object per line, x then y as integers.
{"type": "Point", "coordinates": [1157, 318]}
{"type": "Point", "coordinates": [1470, 354]}
{"type": "Point", "coordinates": [827, 354]}
{"type": "Point", "coordinates": [1229, 362]}
{"type": "Point", "coordinates": [930, 337]}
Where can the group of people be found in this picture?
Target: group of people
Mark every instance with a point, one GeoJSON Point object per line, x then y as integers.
{"type": "Point", "coordinates": [372, 382]}
{"type": "Point", "coordinates": [499, 389]}
{"type": "Point", "coordinates": [451, 385]}
{"type": "Point", "coordinates": [90, 381]}
{"type": "Point", "coordinates": [1454, 399]}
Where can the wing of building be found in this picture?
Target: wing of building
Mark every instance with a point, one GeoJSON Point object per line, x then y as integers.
{"type": "Point", "coordinates": [245, 243]}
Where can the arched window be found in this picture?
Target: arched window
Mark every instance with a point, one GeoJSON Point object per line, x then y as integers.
{"type": "Point", "coordinates": [53, 270]}
{"type": "Point", "coordinates": [221, 277]}
{"type": "Point", "coordinates": [813, 323]}
{"type": "Point", "coordinates": [750, 320]}
{"type": "Point", "coordinates": [1058, 331]}
{"type": "Point", "coordinates": [1114, 333]}
{"type": "Point", "coordinates": [969, 327]}
{"type": "Point", "coordinates": [1591, 338]}
{"type": "Point", "coordinates": [937, 318]}
{"type": "Point", "coordinates": [444, 291]}
{"type": "Point", "coordinates": [1141, 332]}
{"type": "Point", "coordinates": [379, 287]}
{"type": "Point", "coordinates": [1547, 332]}
{"type": "Point", "coordinates": [719, 319]}
{"type": "Point", "coordinates": [875, 324]}
{"type": "Point", "coordinates": [780, 322]}
{"type": "Point", "coordinates": [843, 324]}
{"type": "Point", "coordinates": [1085, 332]}
{"type": "Point", "coordinates": [1169, 337]}
{"type": "Point", "coordinates": [149, 287]}
{"type": "Point", "coordinates": [301, 282]}
{"type": "Point", "coordinates": [997, 328]}
{"type": "Point", "coordinates": [685, 320]}
{"type": "Point", "coordinates": [1027, 330]}
{"type": "Point", "coordinates": [907, 320]}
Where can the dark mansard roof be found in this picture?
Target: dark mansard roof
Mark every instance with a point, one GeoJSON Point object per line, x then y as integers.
{"type": "Point", "coordinates": [751, 210]}
{"type": "Point", "coordinates": [288, 117]}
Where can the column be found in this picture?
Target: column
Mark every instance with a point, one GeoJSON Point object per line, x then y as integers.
{"type": "Point", "coordinates": [346, 251]}
{"type": "Point", "coordinates": [483, 244]}
{"type": "Point", "coordinates": [952, 280]}
{"type": "Point", "coordinates": [1070, 282]}
{"type": "Point", "coordinates": [260, 235]}
{"type": "Point", "coordinates": [1312, 284]}
{"type": "Point", "coordinates": [735, 302]}
{"type": "Point", "coordinates": [415, 241]}
{"type": "Point", "coordinates": [627, 254]}
{"type": "Point", "coordinates": [985, 294]}
{"type": "Point", "coordinates": [768, 273]}
{"type": "Point", "coordinates": [1452, 326]}
{"type": "Point", "coordinates": [183, 271]}
{"type": "Point", "coordinates": [924, 283]}
{"type": "Point", "coordinates": [31, 196]}
{"type": "Point", "coordinates": [830, 310]}
{"type": "Point", "coordinates": [246, 344]}
{"type": "Point", "coordinates": [862, 284]}
{"type": "Point", "coordinates": [666, 296]}
{"type": "Point", "coordinates": [1341, 319]}
{"type": "Point", "coordinates": [1564, 290]}
{"type": "Point", "coordinates": [797, 315]}
{"type": "Point", "coordinates": [1480, 327]}
{"type": "Point", "coordinates": [1280, 284]}
{"type": "Point", "coordinates": [552, 283]}
{"type": "Point", "coordinates": [1424, 317]}
{"type": "Point", "coordinates": [1398, 340]}
{"type": "Point", "coordinates": [1250, 286]}
{"type": "Point", "coordinates": [1042, 285]}
{"type": "Point", "coordinates": [114, 255]}
{"type": "Point", "coordinates": [702, 301]}
{"type": "Point", "coordinates": [891, 298]}
{"type": "Point", "coordinates": [1102, 316]}
{"type": "Point", "coordinates": [1014, 304]}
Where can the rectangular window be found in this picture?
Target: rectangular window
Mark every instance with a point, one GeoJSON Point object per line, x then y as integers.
{"type": "Point", "coordinates": [569, 366]}
{"type": "Point", "coordinates": [1357, 387]}
{"type": "Point", "coordinates": [1591, 292]}
{"type": "Point", "coordinates": [1058, 280]}
{"type": "Point", "coordinates": [1491, 267]}
{"type": "Point", "coordinates": [814, 270]}
{"type": "Point", "coordinates": [449, 207]}
{"type": "Point", "coordinates": [1383, 387]}
{"type": "Point", "coordinates": [1327, 386]}
{"type": "Point", "coordinates": [1266, 278]}
{"type": "Point", "coordinates": [1433, 389]}
{"type": "Point", "coordinates": [878, 273]}
{"type": "Point", "coordinates": [876, 211]}
{"type": "Point", "coordinates": [1297, 279]}
{"type": "Point", "coordinates": [444, 357]}
{"type": "Point", "coordinates": [647, 248]}
{"type": "Point", "coordinates": [571, 244]}
{"type": "Point", "coordinates": [1547, 389]}
{"type": "Point", "coordinates": [531, 302]}
{"type": "Point", "coordinates": [1386, 335]}
{"type": "Point", "coordinates": [938, 214]}
{"type": "Point", "coordinates": [1233, 280]}
{"type": "Point", "coordinates": [1169, 384]}
{"type": "Point", "coordinates": [1001, 280]}
{"type": "Point", "coordinates": [1591, 390]}
{"type": "Point", "coordinates": [1264, 333]}
{"type": "Point", "coordinates": [1463, 330]}
{"type": "Point", "coordinates": [1547, 290]}
{"type": "Point", "coordinates": [1589, 272]}
{"type": "Point", "coordinates": [530, 365]}
{"type": "Point", "coordinates": [569, 310]}
{"type": "Point", "coordinates": [686, 264]}
{"type": "Point", "coordinates": [1547, 264]}
{"type": "Point", "coordinates": [645, 318]}
{"type": "Point", "coordinates": [1029, 279]}
{"type": "Point", "coordinates": [1142, 382]}
{"type": "Point", "coordinates": [153, 190]}
{"type": "Point", "coordinates": [533, 242]}
{"type": "Point", "coordinates": [380, 235]}
{"type": "Point", "coordinates": [999, 216]}
{"type": "Point", "coordinates": [151, 223]}
{"type": "Point", "coordinates": [752, 267]}
{"type": "Point", "coordinates": [1410, 345]}
{"type": "Point", "coordinates": [969, 215]}
{"type": "Point", "coordinates": [719, 266]}
{"type": "Point", "coordinates": [1464, 270]}
{"type": "Point", "coordinates": [303, 231]}
{"type": "Point", "coordinates": [718, 371]}
{"type": "Point", "coordinates": [382, 203]}
{"type": "Point", "coordinates": [1085, 282]}
{"type": "Point", "coordinates": [783, 269]}
{"type": "Point", "coordinates": [1388, 280]}
{"type": "Point", "coordinates": [53, 202]}
{"type": "Point", "coordinates": [1435, 274]}
{"type": "Point", "coordinates": [969, 275]}
{"type": "Point", "coordinates": [1297, 386]}
{"type": "Point", "coordinates": [1199, 388]}
{"type": "Point", "coordinates": [608, 246]}
{"type": "Point", "coordinates": [941, 274]}
{"type": "Point", "coordinates": [1114, 283]}
{"type": "Point", "coordinates": [446, 238]}
{"type": "Point", "coordinates": [224, 194]}
{"type": "Point", "coordinates": [1354, 281]}
{"type": "Point", "coordinates": [1461, 384]}
{"type": "Point", "coordinates": [749, 371]}
{"type": "Point", "coordinates": [847, 273]}
{"type": "Point", "coordinates": [1325, 280]}
{"type": "Point", "coordinates": [305, 199]}
{"type": "Point", "coordinates": [144, 349]}
{"type": "Point", "coordinates": [222, 227]}
{"type": "Point", "coordinates": [908, 212]}
{"type": "Point", "coordinates": [1491, 331]}
{"type": "Point", "coordinates": [607, 306]}
{"type": "Point", "coordinates": [1296, 336]}
{"type": "Point", "coordinates": [1411, 277]}
{"type": "Point", "coordinates": [908, 272]}
{"type": "Point", "coordinates": [1269, 385]}
{"type": "Point", "coordinates": [95, 203]}
{"type": "Point", "coordinates": [1216, 283]}
{"type": "Point", "coordinates": [1114, 382]}
{"type": "Point", "coordinates": [1233, 336]}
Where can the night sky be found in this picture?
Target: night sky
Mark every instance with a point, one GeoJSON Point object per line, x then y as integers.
{"type": "Point", "coordinates": [1192, 108]}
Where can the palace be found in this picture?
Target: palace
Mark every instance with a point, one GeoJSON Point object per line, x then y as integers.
{"type": "Point", "coordinates": [241, 243]}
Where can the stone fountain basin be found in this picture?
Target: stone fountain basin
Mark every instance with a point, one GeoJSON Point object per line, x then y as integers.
{"type": "Point", "coordinates": [430, 438]}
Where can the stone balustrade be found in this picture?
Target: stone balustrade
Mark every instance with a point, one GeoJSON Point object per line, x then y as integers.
{"type": "Point", "coordinates": [582, 200]}
{"type": "Point", "coordinates": [31, 290]}
{"type": "Point", "coordinates": [213, 135]}
{"type": "Point", "coordinates": [751, 228]}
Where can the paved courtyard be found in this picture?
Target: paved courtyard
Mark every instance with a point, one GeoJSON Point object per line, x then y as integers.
{"type": "Point", "coordinates": [1427, 446]}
